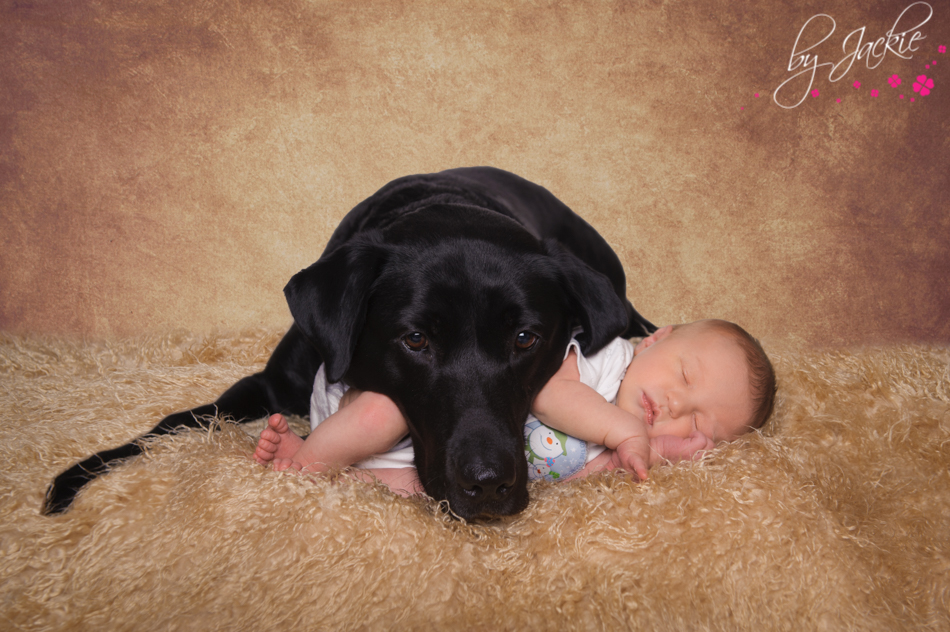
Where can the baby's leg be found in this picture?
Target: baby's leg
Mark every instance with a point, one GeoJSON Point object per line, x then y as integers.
{"type": "Point", "coordinates": [369, 424]}
{"type": "Point", "coordinates": [402, 480]}
{"type": "Point", "coordinates": [277, 442]}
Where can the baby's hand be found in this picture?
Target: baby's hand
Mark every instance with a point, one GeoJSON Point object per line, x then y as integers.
{"type": "Point", "coordinates": [668, 448]}
{"type": "Point", "coordinates": [632, 455]}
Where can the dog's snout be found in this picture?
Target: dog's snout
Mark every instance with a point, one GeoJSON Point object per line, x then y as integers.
{"type": "Point", "coordinates": [489, 483]}
{"type": "Point", "coordinates": [485, 484]}
{"type": "Point", "coordinates": [486, 473]}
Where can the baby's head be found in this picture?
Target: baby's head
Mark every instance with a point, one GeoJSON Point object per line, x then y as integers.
{"type": "Point", "coordinates": [709, 375]}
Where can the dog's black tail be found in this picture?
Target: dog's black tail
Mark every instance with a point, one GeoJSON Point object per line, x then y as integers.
{"type": "Point", "coordinates": [61, 493]}
{"type": "Point", "coordinates": [284, 386]}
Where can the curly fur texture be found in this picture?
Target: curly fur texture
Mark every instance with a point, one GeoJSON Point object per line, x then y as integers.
{"type": "Point", "coordinates": [835, 517]}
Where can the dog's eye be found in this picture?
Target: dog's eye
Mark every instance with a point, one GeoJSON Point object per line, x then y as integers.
{"type": "Point", "coordinates": [525, 340]}
{"type": "Point", "coordinates": [416, 341]}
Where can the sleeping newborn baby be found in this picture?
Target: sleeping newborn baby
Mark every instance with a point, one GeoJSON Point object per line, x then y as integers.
{"type": "Point", "coordinates": [675, 394]}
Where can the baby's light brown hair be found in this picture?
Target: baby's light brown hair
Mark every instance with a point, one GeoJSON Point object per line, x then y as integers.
{"type": "Point", "coordinates": [762, 383]}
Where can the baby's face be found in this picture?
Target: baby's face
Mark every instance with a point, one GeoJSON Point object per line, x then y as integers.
{"type": "Point", "coordinates": [695, 378]}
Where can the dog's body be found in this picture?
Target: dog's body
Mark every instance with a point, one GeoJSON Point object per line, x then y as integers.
{"type": "Point", "coordinates": [454, 294]}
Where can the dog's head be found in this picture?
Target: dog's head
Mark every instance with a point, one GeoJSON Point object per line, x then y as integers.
{"type": "Point", "coordinates": [460, 316]}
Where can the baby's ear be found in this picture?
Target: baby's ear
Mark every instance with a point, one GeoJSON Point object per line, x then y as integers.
{"type": "Point", "coordinates": [653, 338]}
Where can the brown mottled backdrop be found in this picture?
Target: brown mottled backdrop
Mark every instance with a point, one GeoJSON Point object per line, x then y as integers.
{"type": "Point", "coordinates": [171, 164]}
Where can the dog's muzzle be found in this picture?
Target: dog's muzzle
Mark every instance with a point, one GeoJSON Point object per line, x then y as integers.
{"type": "Point", "coordinates": [487, 477]}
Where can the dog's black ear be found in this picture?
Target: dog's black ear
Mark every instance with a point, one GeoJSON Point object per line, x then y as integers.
{"type": "Point", "coordinates": [592, 299]}
{"type": "Point", "coordinates": [328, 299]}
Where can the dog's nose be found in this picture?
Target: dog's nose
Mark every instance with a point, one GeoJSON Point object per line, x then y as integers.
{"type": "Point", "coordinates": [485, 484]}
{"type": "Point", "coordinates": [485, 489]}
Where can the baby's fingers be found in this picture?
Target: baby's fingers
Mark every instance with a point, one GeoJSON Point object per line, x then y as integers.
{"type": "Point", "coordinates": [632, 461]}
{"type": "Point", "coordinates": [676, 449]}
{"type": "Point", "coordinates": [699, 443]}
{"type": "Point", "coordinates": [640, 467]}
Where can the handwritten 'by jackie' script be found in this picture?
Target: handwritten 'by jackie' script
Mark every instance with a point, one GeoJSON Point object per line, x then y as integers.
{"type": "Point", "coordinates": [899, 42]}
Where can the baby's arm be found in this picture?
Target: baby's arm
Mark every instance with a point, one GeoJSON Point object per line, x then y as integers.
{"type": "Point", "coordinates": [567, 404]}
{"type": "Point", "coordinates": [367, 423]}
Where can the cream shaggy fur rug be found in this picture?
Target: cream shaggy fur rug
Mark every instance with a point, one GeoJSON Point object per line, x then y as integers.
{"type": "Point", "coordinates": [836, 517]}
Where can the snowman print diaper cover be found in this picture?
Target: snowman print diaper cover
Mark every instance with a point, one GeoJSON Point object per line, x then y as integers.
{"type": "Point", "coordinates": [552, 455]}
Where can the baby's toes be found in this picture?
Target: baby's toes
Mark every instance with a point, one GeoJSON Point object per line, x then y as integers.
{"type": "Point", "coordinates": [266, 448]}
{"type": "Point", "coordinates": [278, 423]}
{"type": "Point", "coordinates": [282, 464]}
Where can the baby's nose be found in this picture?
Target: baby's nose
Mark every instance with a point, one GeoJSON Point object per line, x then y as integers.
{"type": "Point", "coordinates": [674, 401]}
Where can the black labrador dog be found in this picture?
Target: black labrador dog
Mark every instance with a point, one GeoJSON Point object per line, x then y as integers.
{"type": "Point", "coordinates": [454, 294]}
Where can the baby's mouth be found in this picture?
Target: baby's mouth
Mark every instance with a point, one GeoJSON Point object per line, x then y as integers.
{"type": "Point", "coordinates": [648, 409]}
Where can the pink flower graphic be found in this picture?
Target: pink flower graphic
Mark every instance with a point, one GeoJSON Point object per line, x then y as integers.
{"type": "Point", "coordinates": [857, 84]}
{"type": "Point", "coordinates": [873, 93]}
{"type": "Point", "coordinates": [815, 93]}
{"type": "Point", "coordinates": [894, 81]}
{"type": "Point", "coordinates": [923, 85]}
{"type": "Point", "coordinates": [942, 49]}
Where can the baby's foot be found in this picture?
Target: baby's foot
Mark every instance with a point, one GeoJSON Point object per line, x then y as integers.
{"type": "Point", "coordinates": [278, 443]}
{"type": "Point", "coordinates": [282, 464]}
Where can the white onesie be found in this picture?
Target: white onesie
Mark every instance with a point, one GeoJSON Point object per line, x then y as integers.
{"type": "Point", "coordinates": [551, 454]}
